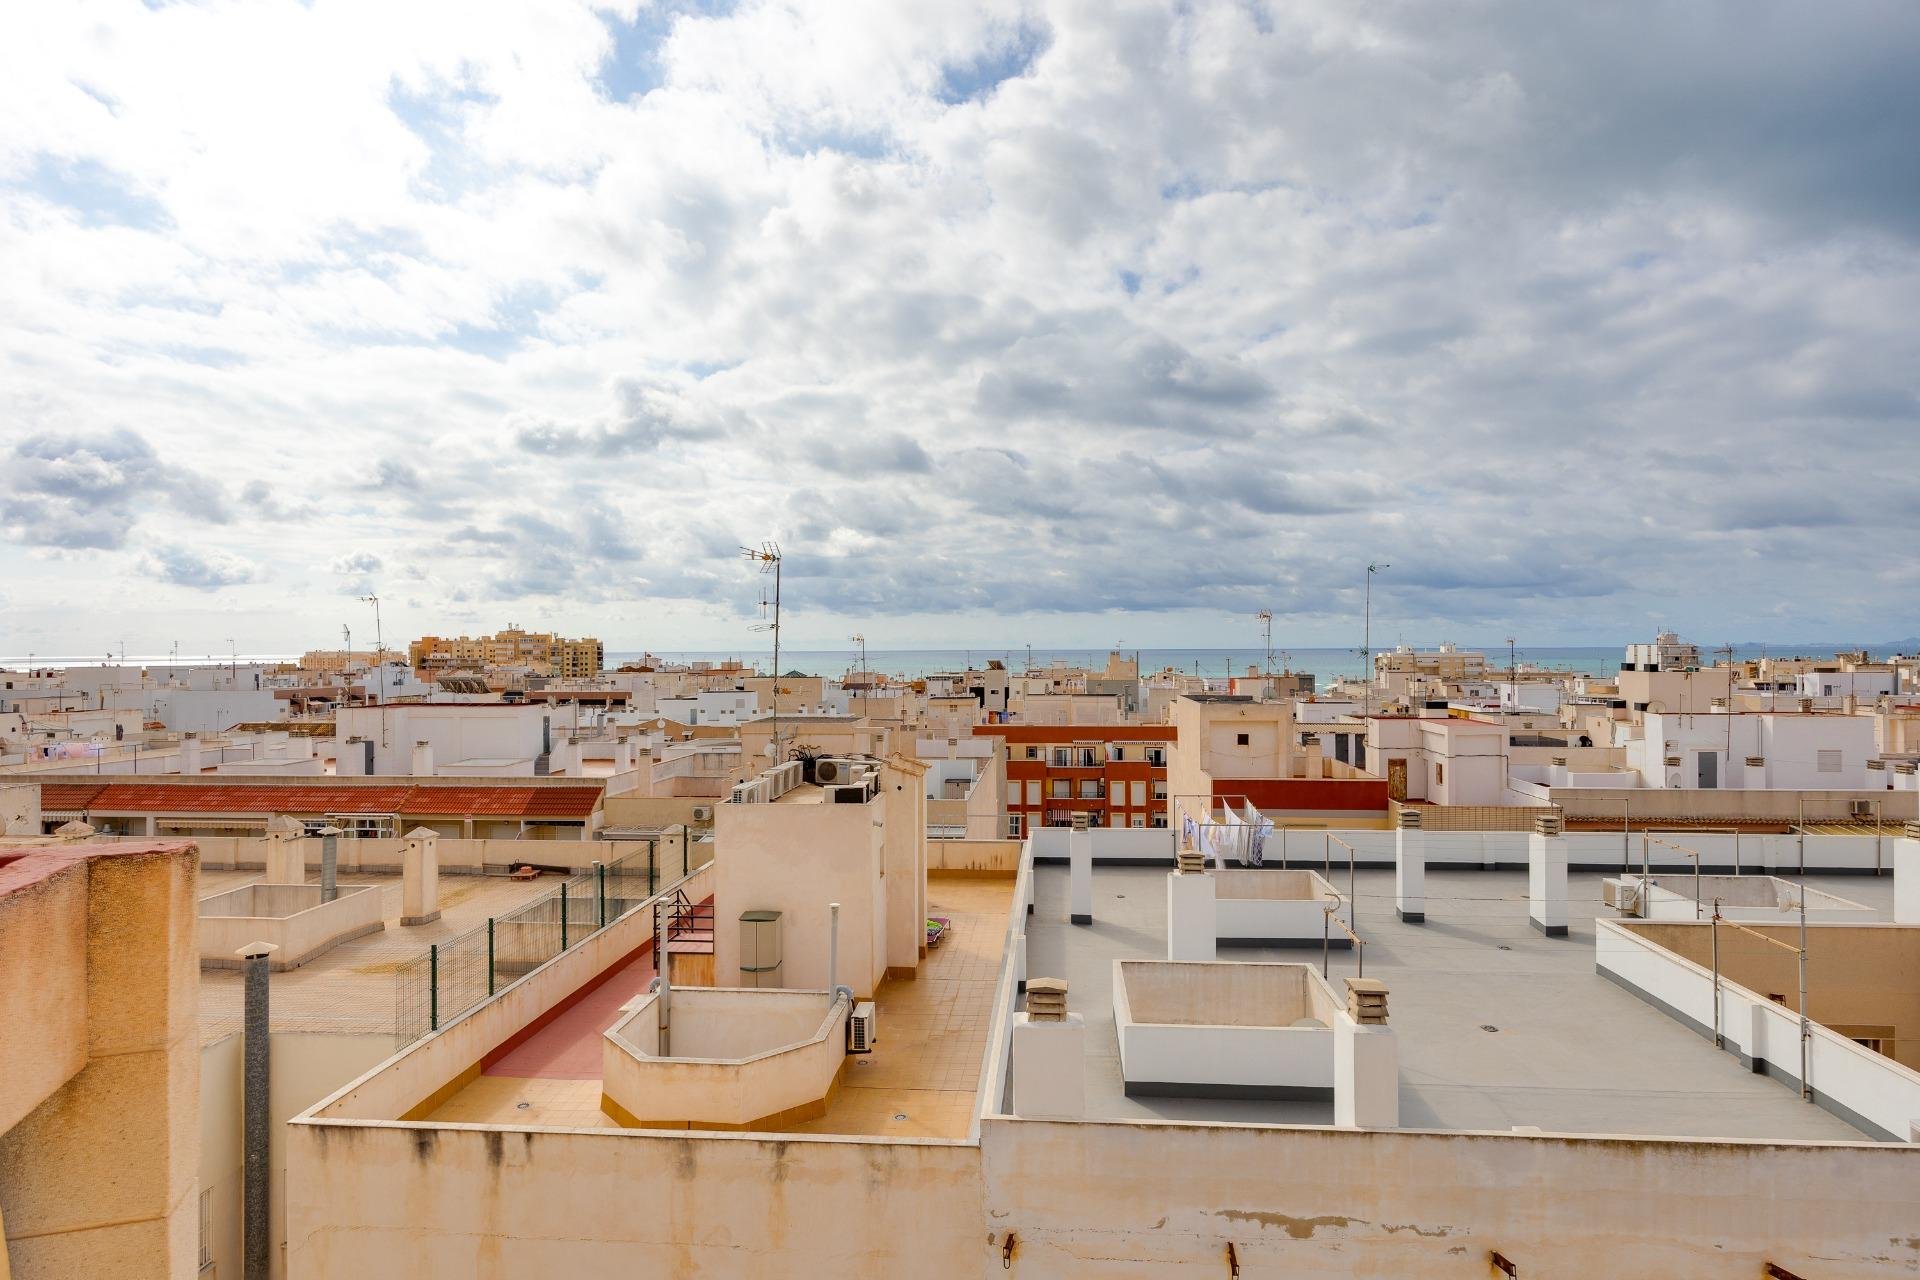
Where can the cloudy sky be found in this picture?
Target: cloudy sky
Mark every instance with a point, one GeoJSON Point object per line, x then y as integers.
{"type": "Point", "coordinates": [1055, 322]}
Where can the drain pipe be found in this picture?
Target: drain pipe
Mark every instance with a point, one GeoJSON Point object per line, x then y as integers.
{"type": "Point", "coordinates": [329, 863]}
{"type": "Point", "coordinates": [663, 984]}
{"type": "Point", "coordinates": [256, 1132]}
{"type": "Point", "coordinates": [833, 953]}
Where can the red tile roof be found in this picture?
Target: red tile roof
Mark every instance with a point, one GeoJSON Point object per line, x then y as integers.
{"type": "Point", "coordinates": [407, 798]}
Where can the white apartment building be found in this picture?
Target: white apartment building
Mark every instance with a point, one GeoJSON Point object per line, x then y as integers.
{"type": "Point", "coordinates": [1754, 750]}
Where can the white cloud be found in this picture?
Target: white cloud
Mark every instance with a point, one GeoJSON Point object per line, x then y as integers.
{"type": "Point", "coordinates": [1061, 310]}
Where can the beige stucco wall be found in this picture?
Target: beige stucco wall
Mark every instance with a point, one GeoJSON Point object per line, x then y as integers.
{"type": "Point", "coordinates": [424, 1203]}
{"type": "Point", "coordinates": [738, 1056]}
{"type": "Point", "coordinates": [795, 859]}
{"type": "Point", "coordinates": [305, 1067]}
{"type": "Point", "coordinates": [98, 1178]}
{"type": "Point", "coordinates": [309, 928]}
{"type": "Point", "coordinates": [1141, 1200]}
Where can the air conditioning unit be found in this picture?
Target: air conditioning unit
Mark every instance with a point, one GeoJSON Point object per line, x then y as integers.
{"type": "Point", "coordinates": [703, 813]}
{"type": "Point", "coordinates": [831, 773]}
{"type": "Point", "coordinates": [860, 1028]}
{"type": "Point", "coordinates": [1860, 808]}
{"type": "Point", "coordinates": [852, 793]}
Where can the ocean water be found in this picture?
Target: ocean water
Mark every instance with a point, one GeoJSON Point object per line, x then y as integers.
{"type": "Point", "coordinates": [1324, 663]}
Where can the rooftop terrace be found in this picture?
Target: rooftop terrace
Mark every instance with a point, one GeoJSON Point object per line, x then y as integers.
{"type": "Point", "coordinates": [1498, 1026]}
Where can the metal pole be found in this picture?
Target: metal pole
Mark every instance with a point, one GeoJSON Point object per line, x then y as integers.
{"type": "Point", "coordinates": [1719, 1041]}
{"type": "Point", "coordinates": [663, 968]}
{"type": "Point", "coordinates": [650, 886]}
{"type": "Point", "coordinates": [1283, 848]}
{"type": "Point", "coordinates": [433, 986]}
{"type": "Point", "coordinates": [1326, 939]}
{"type": "Point", "coordinates": [258, 1166]}
{"type": "Point", "coordinates": [1696, 884]}
{"type": "Point", "coordinates": [1806, 1088]}
{"type": "Point", "coordinates": [600, 889]}
{"type": "Point", "coordinates": [833, 949]}
{"type": "Point", "coordinates": [489, 955]}
{"type": "Point", "coordinates": [1626, 833]}
{"type": "Point", "coordinates": [1803, 835]}
{"type": "Point", "coordinates": [563, 915]}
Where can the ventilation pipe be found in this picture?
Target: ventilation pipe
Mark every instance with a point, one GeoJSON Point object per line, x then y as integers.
{"type": "Point", "coordinates": [833, 953]}
{"type": "Point", "coordinates": [329, 863]}
{"type": "Point", "coordinates": [256, 1129]}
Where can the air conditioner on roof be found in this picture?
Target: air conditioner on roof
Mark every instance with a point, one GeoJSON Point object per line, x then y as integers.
{"type": "Point", "coordinates": [1860, 808]}
{"type": "Point", "coordinates": [703, 813]}
{"type": "Point", "coordinates": [832, 773]}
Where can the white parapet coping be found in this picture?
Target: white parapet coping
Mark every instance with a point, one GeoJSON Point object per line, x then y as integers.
{"type": "Point", "coordinates": [1870, 1091]}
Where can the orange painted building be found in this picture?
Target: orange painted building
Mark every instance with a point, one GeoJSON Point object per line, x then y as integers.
{"type": "Point", "coordinates": [1116, 773]}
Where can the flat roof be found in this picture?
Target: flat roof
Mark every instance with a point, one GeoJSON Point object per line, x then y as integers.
{"type": "Point", "coordinates": [1498, 1026]}
{"type": "Point", "coordinates": [350, 989]}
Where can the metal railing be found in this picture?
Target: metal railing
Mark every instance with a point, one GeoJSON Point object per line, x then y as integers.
{"type": "Point", "coordinates": [459, 972]}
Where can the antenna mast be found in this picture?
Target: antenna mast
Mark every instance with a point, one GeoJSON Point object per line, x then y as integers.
{"type": "Point", "coordinates": [767, 556]}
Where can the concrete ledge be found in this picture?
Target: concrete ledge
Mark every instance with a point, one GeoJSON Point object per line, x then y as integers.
{"type": "Point", "coordinates": [1411, 917]}
{"type": "Point", "coordinates": [277, 966]}
{"type": "Point", "coordinates": [1231, 1092]}
{"type": "Point", "coordinates": [1339, 942]}
{"type": "Point", "coordinates": [429, 918]}
{"type": "Point", "coordinates": [1551, 930]}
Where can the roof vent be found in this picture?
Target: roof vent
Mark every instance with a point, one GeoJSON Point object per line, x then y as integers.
{"type": "Point", "coordinates": [1754, 762]}
{"type": "Point", "coordinates": [1547, 824]}
{"type": "Point", "coordinates": [1047, 999]}
{"type": "Point", "coordinates": [1190, 861]}
{"type": "Point", "coordinates": [1409, 819]}
{"type": "Point", "coordinates": [1366, 1001]}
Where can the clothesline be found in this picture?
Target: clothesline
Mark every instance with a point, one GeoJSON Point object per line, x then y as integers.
{"type": "Point", "coordinates": [1243, 838]}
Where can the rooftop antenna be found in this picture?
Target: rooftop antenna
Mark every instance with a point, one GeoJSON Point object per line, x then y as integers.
{"type": "Point", "coordinates": [767, 556]}
{"type": "Point", "coordinates": [860, 639]}
{"type": "Point", "coordinates": [1265, 619]}
{"type": "Point", "coordinates": [1513, 687]}
{"type": "Point", "coordinates": [347, 632]}
{"type": "Point", "coordinates": [1366, 645]}
{"type": "Point", "coordinates": [379, 643]}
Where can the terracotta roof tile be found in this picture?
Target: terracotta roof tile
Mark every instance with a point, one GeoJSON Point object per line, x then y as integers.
{"type": "Point", "coordinates": [407, 798]}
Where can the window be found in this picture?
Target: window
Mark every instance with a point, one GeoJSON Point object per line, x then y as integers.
{"type": "Point", "coordinates": [1139, 819]}
{"type": "Point", "coordinates": [206, 1227]}
{"type": "Point", "coordinates": [1117, 753]}
{"type": "Point", "coordinates": [1015, 824]}
{"type": "Point", "coordinates": [1827, 761]}
{"type": "Point", "coordinates": [1157, 757]}
{"type": "Point", "coordinates": [1159, 819]}
{"type": "Point", "coordinates": [1033, 791]}
{"type": "Point", "coordinates": [1439, 774]}
{"type": "Point", "coordinates": [1092, 789]}
{"type": "Point", "coordinates": [1242, 739]}
{"type": "Point", "coordinates": [1160, 789]}
{"type": "Point", "coordinates": [1059, 789]}
{"type": "Point", "coordinates": [1117, 820]}
{"type": "Point", "coordinates": [1139, 795]}
{"type": "Point", "coordinates": [1033, 753]}
{"type": "Point", "coordinates": [1061, 756]}
{"type": "Point", "coordinates": [1089, 757]}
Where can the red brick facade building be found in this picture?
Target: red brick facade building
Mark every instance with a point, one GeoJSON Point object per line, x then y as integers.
{"type": "Point", "coordinates": [1117, 773]}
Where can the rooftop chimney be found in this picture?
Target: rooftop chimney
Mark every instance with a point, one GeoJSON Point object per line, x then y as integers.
{"type": "Point", "coordinates": [1047, 999]}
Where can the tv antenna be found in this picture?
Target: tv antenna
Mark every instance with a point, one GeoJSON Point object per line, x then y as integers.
{"type": "Point", "coordinates": [1265, 619]}
{"type": "Point", "coordinates": [767, 556]}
